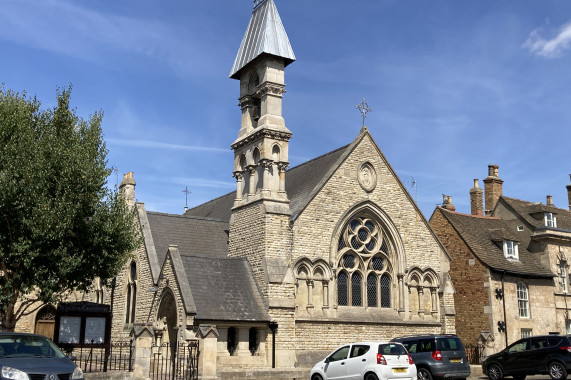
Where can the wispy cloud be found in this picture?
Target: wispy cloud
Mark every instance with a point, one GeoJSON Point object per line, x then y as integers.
{"type": "Point", "coordinates": [549, 48]}
{"type": "Point", "coordinates": [162, 145]}
{"type": "Point", "coordinates": [94, 35]}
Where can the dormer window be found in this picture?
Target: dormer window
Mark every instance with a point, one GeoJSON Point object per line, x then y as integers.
{"type": "Point", "coordinates": [550, 220]}
{"type": "Point", "coordinates": [510, 250]}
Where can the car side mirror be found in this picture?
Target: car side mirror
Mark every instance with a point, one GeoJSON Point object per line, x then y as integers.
{"type": "Point", "coordinates": [328, 359]}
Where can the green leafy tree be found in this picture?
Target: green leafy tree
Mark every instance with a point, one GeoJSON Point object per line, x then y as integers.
{"type": "Point", "coordinates": [60, 224]}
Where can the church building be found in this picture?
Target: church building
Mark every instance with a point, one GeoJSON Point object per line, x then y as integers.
{"type": "Point", "coordinates": [294, 262]}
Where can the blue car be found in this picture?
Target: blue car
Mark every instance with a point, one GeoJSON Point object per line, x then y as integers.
{"type": "Point", "coordinates": [30, 357]}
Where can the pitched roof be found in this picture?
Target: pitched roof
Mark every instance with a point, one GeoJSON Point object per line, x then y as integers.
{"type": "Point", "coordinates": [301, 182]}
{"type": "Point", "coordinates": [224, 288]}
{"type": "Point", "coordinates": [265, 34]}
{"type": "Point", "coordinates": [193, 235]}
{"type": "Point", "coordinates": [527, 210]}
{"type": "Point", "coordinates": [484, 235]}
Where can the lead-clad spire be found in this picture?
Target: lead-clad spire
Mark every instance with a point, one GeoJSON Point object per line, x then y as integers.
{"type": "Point", "coordinates": [265, 34]}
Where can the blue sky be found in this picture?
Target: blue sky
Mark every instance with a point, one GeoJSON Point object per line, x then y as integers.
{"type": "Point", "coordinates": [454, 86]}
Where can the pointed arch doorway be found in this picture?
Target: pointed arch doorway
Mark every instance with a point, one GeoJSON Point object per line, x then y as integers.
{"type": "Point", "coordinates": [168, 316]}
{"type": "Point", "coordinates": [45, 321]}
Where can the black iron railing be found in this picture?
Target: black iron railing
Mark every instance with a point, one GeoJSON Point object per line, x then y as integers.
{"type": "Point", "coordinates": [93, 357]}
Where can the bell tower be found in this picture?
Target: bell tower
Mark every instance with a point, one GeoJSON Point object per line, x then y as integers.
{"type": "Point", "coordinates": [259, 225]}
{"type": "Point", "coordinates": [261, 149]}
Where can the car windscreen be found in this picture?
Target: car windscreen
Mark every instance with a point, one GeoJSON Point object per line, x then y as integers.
{"type": "Point", "coordinates": [392, 349]}
{"type": "Point", "coordinates": [449, 343]}
{"type": "Point", "coordinates": [24, 345]}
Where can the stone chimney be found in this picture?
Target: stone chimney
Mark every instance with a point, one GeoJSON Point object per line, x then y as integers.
{"type": "Point", "coordinates": [492, 188]}
{"type": "Point", "coordinates": [549, 200]}
{"type": "Point", "coordinates": [447, 203]}
{"type": "Point", "coordinates": [127, 188]}
{"type": "Point", "coordinates": [477, 199]}
{"type": "Point", "coordinates": [569, 193]}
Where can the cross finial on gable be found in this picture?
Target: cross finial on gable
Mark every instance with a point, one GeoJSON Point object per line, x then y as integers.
{"type": "Point", "coordinates": [364, 109]}
{"type": "Point", "coordinates": [186, 191]}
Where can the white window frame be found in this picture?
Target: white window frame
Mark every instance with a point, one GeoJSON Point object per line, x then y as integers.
{"type": "Point", "coordinates": [523, 300]}
{"type": "Point", "coordinates": [511, 250]}
{"type": "Point", "coordinates": [550, 220]}
{"type": "Point", "coordinates": [526, 333]}
{"type": "Point", "coordinates": [568, 326]}
{"type": "Point", "coordinates": [563, 275]}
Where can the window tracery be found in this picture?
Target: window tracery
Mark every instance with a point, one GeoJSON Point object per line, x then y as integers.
{"type": "Point", "coordinates": [365, 269]}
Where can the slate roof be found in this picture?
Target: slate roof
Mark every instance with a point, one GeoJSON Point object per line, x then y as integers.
{"type": "Point", "coordinates": [193, 235]}
{"type": "Point", "coordinates": [265, 34]}
{"type": "Point", "coordinates": [527, 210]}
{"type": "Point", "coordinates": [484, 236]}
{"type": "Point", "coordinates": [224, 289]}
{"type": "Point", "coordinates": [301, 182]}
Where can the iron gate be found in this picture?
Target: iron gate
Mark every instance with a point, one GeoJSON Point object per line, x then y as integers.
{"type": "Point", "coordinates": [175, 361]}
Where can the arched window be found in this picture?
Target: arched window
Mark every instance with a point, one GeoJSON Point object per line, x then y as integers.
{"type": "Point", "coordinates": [385, 291]}
{"type": "Point", "coordinates": [131, 294]}
{"type": "Point", "coordinates": [523, 300]}
{"type": "Point", "coordinates": [342, 291]}
{"type": "Point", "coordinates": [372, 290]}
{"type": "Point", "coordinates": [99, 291]}
{"type": "Point", "coordinates": [364, 263]}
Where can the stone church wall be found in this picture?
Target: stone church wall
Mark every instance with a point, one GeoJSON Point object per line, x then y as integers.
{"type": "Point", "coordinates": [314, 238]}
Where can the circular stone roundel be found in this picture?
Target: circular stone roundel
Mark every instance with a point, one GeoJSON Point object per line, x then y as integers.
{"type": "Point", "coordinates": [367, 177]}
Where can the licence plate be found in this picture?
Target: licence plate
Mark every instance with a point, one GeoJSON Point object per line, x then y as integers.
{"type": "Point", "coordinates": [457, 360]}
{"type": "Point", "coordinates": [399, 370]}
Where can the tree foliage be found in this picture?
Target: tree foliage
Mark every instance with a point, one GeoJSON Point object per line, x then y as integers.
{"type": "Point", "coordinates": [60, 224]}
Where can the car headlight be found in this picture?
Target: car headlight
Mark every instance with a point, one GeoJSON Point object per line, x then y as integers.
{"type": "Point", "coordinates": [77, 374]}
{"type": "Point", "coordinates": [14, 374]}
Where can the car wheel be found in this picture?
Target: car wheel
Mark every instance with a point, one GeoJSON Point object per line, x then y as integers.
{"type": "Point", "coordinates": [495, 372]}
{"type": "Point", "coordinates": [424, 374]}
{"type": "Point", "coordinates": [316, 377]}
{"type": "Point", "coordinates": [371, 376]}
{"type": "Point", "coordinates": [557, 371]}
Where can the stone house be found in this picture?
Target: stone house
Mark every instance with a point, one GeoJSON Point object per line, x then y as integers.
{"type": "Point", "coordinates": [510, 265]}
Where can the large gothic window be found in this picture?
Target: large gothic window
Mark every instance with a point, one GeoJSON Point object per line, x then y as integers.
{"type": "Point", "coordinates": [364, 274]}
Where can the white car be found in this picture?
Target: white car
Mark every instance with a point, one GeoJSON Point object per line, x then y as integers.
{"type": "Point", "coordinates": [366, 361]}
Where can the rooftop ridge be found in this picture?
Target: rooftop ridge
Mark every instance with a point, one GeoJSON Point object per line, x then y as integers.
{"type": "Point", "coordinates": [534, 203]}
{"type": "Point", "coordinates": [186, 216]}
{"type": "Point", "coordinates": [470, 215]}
{"type": "Point", "coordinates": [319, 157]}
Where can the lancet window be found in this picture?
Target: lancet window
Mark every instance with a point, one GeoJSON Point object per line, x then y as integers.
{"type": "Point", "coordinates": [131, 294]}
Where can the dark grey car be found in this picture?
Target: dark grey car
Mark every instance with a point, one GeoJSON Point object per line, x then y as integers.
{"type": "Point", "coordinates": [30, 356]}
{"type": "Point", "coordinates": [437, 356]}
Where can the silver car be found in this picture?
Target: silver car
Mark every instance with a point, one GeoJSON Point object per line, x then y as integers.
{"type": "Point", "coordinates": [366, 361]}
{"type": "Point", "coordinates": [30, 356]}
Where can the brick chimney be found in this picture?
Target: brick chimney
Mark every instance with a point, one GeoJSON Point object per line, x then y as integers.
{"type": "Point", "coordinates": [492, 188]}
{"type": "Point", "coordinates": [569, 193]}
{"type": "Point", "coordinates": [447, 203]}
{"type": "Point", "coordinates": [477, 199]}
{"type": "Point", "coordinates": [127, 188]}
